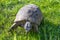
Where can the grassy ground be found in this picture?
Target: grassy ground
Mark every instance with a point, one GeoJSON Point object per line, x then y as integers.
{"type": "Point", "coordinates": [49, 28]}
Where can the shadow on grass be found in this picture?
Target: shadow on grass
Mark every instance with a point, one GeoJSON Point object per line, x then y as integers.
{"type": "Point", "coordinates": [49, 31]}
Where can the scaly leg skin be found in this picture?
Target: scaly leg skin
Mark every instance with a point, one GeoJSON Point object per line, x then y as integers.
{"type": "Point", "coordinates": [27, 26]}
{"type": "Point", "coordinates": [13, 27]}
{"type": "Point", "coordinates": [36, 29]}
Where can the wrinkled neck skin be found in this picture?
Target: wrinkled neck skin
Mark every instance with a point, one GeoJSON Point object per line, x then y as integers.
{"type": "Point", "coordinates": [27, 26]}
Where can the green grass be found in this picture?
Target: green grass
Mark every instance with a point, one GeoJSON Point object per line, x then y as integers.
{"type": "Point", "coordinates": [49, 28]}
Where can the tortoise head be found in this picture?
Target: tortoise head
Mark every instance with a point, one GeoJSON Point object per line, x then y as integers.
{"type": "Point", "coordinates": [27, 26]}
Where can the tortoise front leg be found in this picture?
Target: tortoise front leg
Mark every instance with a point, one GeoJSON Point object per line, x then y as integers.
{"type": "Point", "coordinates": [36, 28]}
{"type": "Point", "coordinates": [14, 26]}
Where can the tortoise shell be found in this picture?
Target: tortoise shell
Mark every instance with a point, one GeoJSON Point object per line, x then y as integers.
{"type": "Point", "coordinates": [29, 12]}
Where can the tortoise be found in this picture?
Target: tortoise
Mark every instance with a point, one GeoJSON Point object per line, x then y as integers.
{"type": "Point", "coordinates": [28, 17]}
